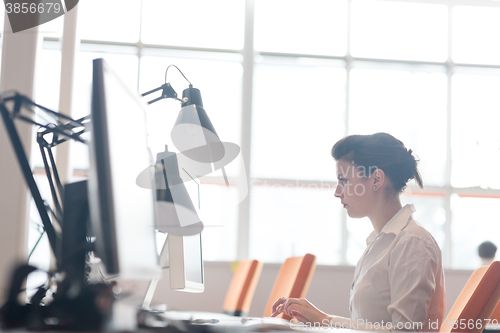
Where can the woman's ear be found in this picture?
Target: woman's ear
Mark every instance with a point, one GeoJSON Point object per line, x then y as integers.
{"type": "Point", "coordinates": [378, 179]}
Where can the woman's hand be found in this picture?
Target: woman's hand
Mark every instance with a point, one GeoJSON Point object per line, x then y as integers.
{"type": "Point", "coordinates": [301, 309]}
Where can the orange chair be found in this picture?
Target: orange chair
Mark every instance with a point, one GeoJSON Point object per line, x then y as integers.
{"type": "Point", "coordinates": [242, 288]}
{"type": "Point", "coordinates": [495, 316]}
{"type": "Point", "coordinates": [293, 280]}
{"type": "Point", "coordinates": [476, 302]}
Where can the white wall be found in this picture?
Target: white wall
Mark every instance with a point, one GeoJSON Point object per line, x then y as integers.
{"type": "Point", "coordinates": [329, 289]}
{"type": "Point", "coordinates": [18, 73]}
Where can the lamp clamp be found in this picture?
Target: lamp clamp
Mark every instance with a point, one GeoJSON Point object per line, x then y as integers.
{"type": "Point", "coordinates": [167, 90]}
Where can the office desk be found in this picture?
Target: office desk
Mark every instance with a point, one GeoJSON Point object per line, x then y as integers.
{"type": "Point", "coordinates": [180, 322]}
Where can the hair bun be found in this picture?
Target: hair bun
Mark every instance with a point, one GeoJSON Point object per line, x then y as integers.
{"type": "Point", "coordinates": [380, 151]}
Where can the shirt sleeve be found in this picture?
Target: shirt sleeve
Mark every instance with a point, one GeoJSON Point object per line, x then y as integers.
{"type": "Point", "coordinates": [413, 268]}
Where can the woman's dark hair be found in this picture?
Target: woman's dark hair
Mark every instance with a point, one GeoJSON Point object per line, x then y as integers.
{"type": "Point", "coordinates": [380, 151]}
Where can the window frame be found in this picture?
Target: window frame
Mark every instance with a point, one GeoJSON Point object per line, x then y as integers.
{"type": "Point", "coordinates": [248, 54]}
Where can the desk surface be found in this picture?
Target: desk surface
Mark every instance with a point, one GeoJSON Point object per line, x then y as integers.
{"type": "Point", "coordinates": [229, 323]}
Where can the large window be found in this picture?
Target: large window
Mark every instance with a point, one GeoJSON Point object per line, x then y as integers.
{"type": "Point", "coordinates": [285, 80]}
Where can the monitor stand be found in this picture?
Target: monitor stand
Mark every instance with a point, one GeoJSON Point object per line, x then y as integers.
{"type": "Point", "coordinates": [163, 260]}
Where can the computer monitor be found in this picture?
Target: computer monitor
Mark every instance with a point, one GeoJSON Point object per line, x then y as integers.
{"type": "Point", "coordinates": [185, 252]}
{"type": "Point", "coordinates": [182, 255]}
{"type": "Point", "coordinates": [186, 263]}
{"type": "Point", "coordinates": [122, 213]}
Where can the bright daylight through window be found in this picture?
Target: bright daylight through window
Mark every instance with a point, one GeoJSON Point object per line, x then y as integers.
{"type": "Point", "coordinates": [286, 94]}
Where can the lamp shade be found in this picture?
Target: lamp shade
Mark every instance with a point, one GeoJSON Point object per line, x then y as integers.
{"type": "Point", "coordinates": [193, 133]}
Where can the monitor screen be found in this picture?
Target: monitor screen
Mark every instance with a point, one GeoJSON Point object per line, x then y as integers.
{"type": "Point", "coordinates": [192, 258]}
{"type": "Point", "coordinates": [122, 213]}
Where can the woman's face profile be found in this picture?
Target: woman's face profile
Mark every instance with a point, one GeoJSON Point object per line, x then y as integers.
{"type": "Point", "coordinates": [353, 189]}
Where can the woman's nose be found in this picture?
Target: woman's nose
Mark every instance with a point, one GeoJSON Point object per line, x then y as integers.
{"type": "Point", "coordinates": [338, 192]}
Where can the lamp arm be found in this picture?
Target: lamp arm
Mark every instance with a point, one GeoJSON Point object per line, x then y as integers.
{"type": "Point", "coordinates": [61, 129]}
{"type": "Point", "coordinates": [64, 132]}
{"type": "Point", "coordinates": [152, 91]}
{"type": "Point", "coordinates": [21, 100]}
{"type": "Point", "coordinates": [28, 176]}
{"type": "Point", "coordinates": [46, 149]}
{"type": "Point", "coordinates": [54, 114]}
{"type": "Point", "coordinates": [167, 92]}
{"type": "Point", "coordinates": [48, 171]}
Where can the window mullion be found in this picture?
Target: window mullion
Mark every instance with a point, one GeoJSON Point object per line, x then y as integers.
{"type": "Point", "coordinates": [243, 247]}
{"type": "Point", "coordinates": [448, 262]}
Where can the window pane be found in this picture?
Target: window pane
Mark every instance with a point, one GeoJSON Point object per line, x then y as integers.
{"type": "Point", "coordinates": [396, 30]}
{"type": "Point", "coordinates": [476, 35]}
{"type": "Point", "coordinates": [47, 82]}
{"type": "Point", "coordinates": [475, 220]}
{"type": "Point", "coordinates": [48, 76]}
{"type": "Point", "coordinates": [430, 213]}
{"type": "Point", "coordinates": [196, 23]}
{"type": "Point", "coordinates": [219, 82]}
{"type": "Point", "coordinates": [219, 213]}
{"type": "Point", "coordinates": [408, 104]}
{"type": "Point", "coordinates": [79, 159]}
{"type": "Point", "coordinates": [306, 218]}
{"type": "Point", "coordinates": [126, 67]}
{"type": "Point", "coordinates": [312, 27]}
{"type": "Point", "coordinates": [298, 113]}
{"type": "Point", "coordinates": [53, 28]}
{"type": "Point", "coordinates": [123, 61]}
{"type": "Point", "coordinates": [110, 20]}
{"type": "Point", "coordinates": [475, 135]}
{"type": "Point", "coordinates": [38, 246]}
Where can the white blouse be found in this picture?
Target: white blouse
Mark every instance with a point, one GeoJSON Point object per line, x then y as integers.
{"type": "Point", "coordinates": [398, 282]}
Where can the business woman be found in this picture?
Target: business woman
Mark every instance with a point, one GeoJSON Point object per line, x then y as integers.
{"type": "Point", "coordinates": [398, 282]}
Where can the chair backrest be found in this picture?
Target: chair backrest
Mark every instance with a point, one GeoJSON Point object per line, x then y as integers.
{"type": "Point", "coordinates": [293, 280]}
{"type": "Point", "coordinates": [476, 302]}
{"type": "Point", "coordinates": [495, 316]}
{"type": "Point", "coordinates": [242, 288]}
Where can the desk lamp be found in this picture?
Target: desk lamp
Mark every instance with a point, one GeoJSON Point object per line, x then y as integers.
{"type": "Point", "coordinates": [193, 133]}
{"type": "Point", "coordinates": [199, 147]}
{"type": "Point", "coordinates": [176, 212]}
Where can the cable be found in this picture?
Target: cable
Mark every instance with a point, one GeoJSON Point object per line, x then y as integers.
{"type": "Point", "coordinates": [190, 84]}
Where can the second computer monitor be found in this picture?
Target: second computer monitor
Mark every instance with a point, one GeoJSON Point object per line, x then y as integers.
{"type": "Point", "coordinates": [186, 263]}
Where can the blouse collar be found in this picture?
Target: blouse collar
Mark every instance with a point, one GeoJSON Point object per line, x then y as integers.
{"type": "Point", "coordinates": [397, 223]}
